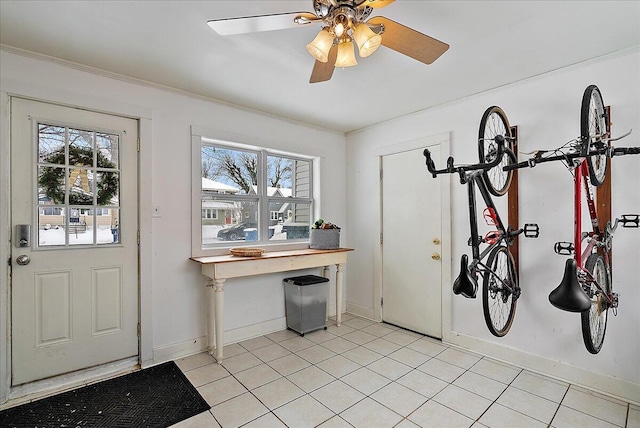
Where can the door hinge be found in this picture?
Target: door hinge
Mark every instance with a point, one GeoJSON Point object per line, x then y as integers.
{"type": "Point", "coordinates": [380, 173]}
{"type": "Point", "coordinates": [381, 301]}
{"type": "Point", "coordinates": [138, 237]}
{"type": "Point", "coordinates": [138, 145]}
{"type": "Point", "coordinates": [138, 329]}
{"type": "Point", "coordinates": [380, 237]}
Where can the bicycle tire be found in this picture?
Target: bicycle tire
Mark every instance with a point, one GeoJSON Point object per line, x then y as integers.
{"type": "Point", "coordinates": [593, 133]}
{"type": "Point", "coordinates": [499, 305]}
{"type": "Point", "coordinates": [494, 122]}
{"type": "Point", "coordinates": [594, 320]}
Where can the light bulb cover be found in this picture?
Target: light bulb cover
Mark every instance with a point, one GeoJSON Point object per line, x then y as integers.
{"type": "Point", "coordinates": [367, 40]}
{"type": "Point", "coordinates": [320, 46]}
{"type": "Point", "coordinates": [346, 55]}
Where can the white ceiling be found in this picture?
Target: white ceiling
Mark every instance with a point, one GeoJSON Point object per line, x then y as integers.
{"type": "Point", "coordinates": [493, 43]}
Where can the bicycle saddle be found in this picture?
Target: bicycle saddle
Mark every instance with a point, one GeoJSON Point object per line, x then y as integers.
{"type": "Point", "coordinates": [465, 283]}
{"type": "Point", "coordinates": [569, 295]}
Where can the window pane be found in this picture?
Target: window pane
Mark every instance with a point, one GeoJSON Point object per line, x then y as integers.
{"type": "Point", "coordinates": [288, 177]}
{"type": "Point", "coordinates": [80, 230]}
{"type": "Point", "coordinates": [80, 147]}
{"type": "Point", "coordinates": [108, 184]}
{"type": "Point", "coordinates": [80, 186]}
{"type": "Point", "coordinates": [229, 171]}
{"type": "Point", "coordinates": [50, 226]}
{"type": "Point", "coordinates": [293, 221]}
{"type": "Point", "coordinates": [51, 144]}
{"type": "Point", "coordinates": [108, 146]}
{"type": "Point", "coordinates": [235, 221]}
{"type": "Point", "coordinates": [108, 227]}
{"type": "Point", "coordinates": [51, 185]}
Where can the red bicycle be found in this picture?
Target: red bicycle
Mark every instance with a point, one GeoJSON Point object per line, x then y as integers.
{"type": "Point", "coordinates": [587, 285]}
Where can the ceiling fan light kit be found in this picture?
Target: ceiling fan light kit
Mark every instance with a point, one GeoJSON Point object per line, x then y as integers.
{"type": "Point", "coordinates": [346, 55]}
{"type": "Point", "coordinates": [345, 22]}
{"type": "Point", "coordinates": [320, 46]}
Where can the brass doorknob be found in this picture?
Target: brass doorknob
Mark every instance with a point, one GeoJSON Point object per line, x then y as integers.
{"type": "Point", "coordinates": [436, 241]}
{"type": "Point", "coordinates": [435, 256]}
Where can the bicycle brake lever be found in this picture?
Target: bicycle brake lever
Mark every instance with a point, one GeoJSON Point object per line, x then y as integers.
{"type": "Point", "coordinates": [621, 137]}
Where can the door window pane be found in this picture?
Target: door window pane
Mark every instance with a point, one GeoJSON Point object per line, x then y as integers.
{"type": "Point", "coordinates": [51, 146]}
{"type": "Point", "coordinates": [108, 184]}
{"type": "Point", "coordinates": [80, 186]}
{"type": "Point", "coordinates": [108, 146]}
{"type": "Point", "coordinates": [80, 147]}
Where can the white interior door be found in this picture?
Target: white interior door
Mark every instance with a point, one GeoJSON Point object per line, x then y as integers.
{"type": "Point", "coordinates": [74, 287]}
{"type": "Point", "coordinates": [411, 226]}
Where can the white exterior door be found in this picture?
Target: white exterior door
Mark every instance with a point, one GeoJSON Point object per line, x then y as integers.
{"type": "Point", "coordinates": [411, 226]}
{"type": "Point", "coordinates": [74, 287]}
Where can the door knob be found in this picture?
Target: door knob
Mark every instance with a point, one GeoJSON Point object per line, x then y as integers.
{"type": "Point", "coordinates": [435, 256]}
{"type": "Point", "coordinates": [436, 241]}
{"type": "Point", "coordinates": [23, 260]}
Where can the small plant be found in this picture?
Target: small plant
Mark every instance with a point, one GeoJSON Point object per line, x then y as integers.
{"type": "Point", "coordinates": [321, 224]}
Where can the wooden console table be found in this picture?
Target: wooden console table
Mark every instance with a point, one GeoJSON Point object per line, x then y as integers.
{"type": "Point", "coordinates": [217, 269]}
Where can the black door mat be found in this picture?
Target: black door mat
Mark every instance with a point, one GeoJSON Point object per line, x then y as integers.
{"type": "Point", "coordinates": [159, 396]}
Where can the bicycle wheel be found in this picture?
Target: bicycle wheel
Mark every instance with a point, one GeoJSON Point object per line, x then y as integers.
{"type": "Point", "coordinates": [594, 320]}
{"type": "Point", "coordinates": [593, 133]}
{"type": "Point", "coordinates": [499, 302]}
{"type": "Point", "coordinates": [494, 122]}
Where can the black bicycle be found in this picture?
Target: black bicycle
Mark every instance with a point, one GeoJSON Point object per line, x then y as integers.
{"type": "Point", "coordinates": [495, 263]}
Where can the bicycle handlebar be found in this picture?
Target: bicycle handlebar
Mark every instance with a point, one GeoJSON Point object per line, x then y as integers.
{"type": "Point", "coordinates": [617, 151]}
{"type": "Point", "coordinates": [451, 168]}
{"type": "Point", "coordinates": [609, 151]}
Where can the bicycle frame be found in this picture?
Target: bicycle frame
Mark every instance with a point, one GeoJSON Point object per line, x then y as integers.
{"type": "Point", "coordinates": [475, 179]}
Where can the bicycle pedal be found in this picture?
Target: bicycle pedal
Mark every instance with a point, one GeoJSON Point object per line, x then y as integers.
{"type": "Point", "coordinates": [630, 220]}
{"type": "Point", "coordinates": [564, 248]}
{"type": "Point", "coordinates": [531, 230]}
{"type": "Point", "coordinates": [614, 302]}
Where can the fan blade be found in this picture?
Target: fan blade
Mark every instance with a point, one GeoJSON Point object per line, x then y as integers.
{"type": "Point", "coordinates": [408, 41]}
{"type": "Point", "coordinates": [377, 4]}
{"type": "Point", "coordinates": [250, 24]}
{"type": "Point", "coordinates": [322, 71]}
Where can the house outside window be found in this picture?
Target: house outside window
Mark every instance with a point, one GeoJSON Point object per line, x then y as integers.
{"type": "Point", "coordinates": [251, 195]}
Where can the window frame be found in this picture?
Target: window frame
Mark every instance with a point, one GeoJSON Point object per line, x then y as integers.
{"type": "Point", "coordinates": [261, 197]}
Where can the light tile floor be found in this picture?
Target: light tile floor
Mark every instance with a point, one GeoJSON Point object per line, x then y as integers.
{"type": "Point", "coordinates": [373, 375]}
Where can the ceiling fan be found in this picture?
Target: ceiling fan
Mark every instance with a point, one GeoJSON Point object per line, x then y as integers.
{"type": "Point", "coordinates": [343, 22]}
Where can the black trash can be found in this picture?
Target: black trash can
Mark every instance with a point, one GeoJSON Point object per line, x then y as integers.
{"type": "Point", "coordinates": [306, 302]}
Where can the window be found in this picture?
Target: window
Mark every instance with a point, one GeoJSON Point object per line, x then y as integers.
{"type": "Point", "coordinates": [209, 213]}
{"type": "Point", "coordinates": [78, 178]}
{"type": "Point", "coordinates": [248, 193]}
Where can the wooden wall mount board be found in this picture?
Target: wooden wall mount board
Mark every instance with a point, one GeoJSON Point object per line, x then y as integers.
{"type": "Point", "coordinates": [512, 202]}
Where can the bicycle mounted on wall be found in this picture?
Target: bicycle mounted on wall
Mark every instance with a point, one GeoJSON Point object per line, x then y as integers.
{"type": "Point", "coordinates": [500, 285]}
{"type": "Point", "coordinates": [587, 286]}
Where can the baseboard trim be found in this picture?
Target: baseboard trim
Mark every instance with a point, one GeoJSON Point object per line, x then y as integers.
{"type": "Point", "coordinates": [598, 382]}
{"type": "Point", "coordinates": [361, 311]}
{"type": "Point", "coordinates": [199, 344]}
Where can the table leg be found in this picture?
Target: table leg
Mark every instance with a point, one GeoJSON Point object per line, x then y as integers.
{"type": "Point", "coordinates": [339, 280]}
{"type": "Point", "coordinates": [210, 320]}
{"type": "Point", "coordinates": [326, 273]}
{"type": "Point", "coordinates": [219, 317]}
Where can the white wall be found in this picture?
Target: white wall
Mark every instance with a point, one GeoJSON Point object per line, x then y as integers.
{"type": "Point", "coordinates": [176, 292]}
{"type": "Point", "coordinates": [547, 111]}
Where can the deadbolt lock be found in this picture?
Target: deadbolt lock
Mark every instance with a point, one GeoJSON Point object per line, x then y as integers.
{"type": "Point", "coordinates": [435, 256]}
{"type": "Point", "coordinates": [436, 241]}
